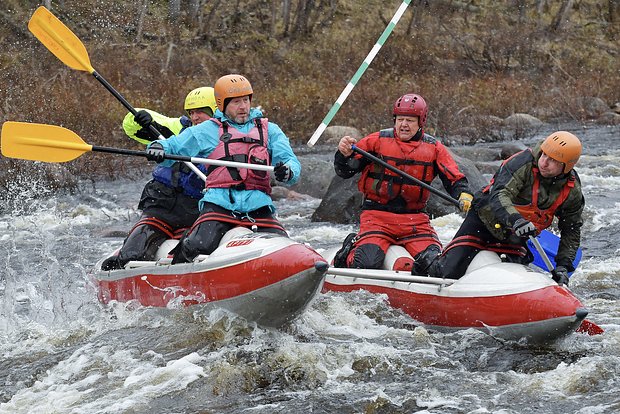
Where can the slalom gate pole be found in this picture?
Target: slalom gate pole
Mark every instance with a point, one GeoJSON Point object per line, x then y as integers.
{"type": "Point", "coordinates": [347, 90]}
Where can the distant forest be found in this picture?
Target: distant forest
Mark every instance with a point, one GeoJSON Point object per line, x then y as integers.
{"type": "Point", "coordinates": [469, 59]}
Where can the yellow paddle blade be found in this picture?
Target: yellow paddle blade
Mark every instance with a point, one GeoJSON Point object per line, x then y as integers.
{"type": "Point", "coordinates": [59, 40]}
{"type": "Point", "coordinates": [41, 142]}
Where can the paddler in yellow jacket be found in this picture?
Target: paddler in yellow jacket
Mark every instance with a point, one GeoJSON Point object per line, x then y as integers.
{"type": "Point", "coordinates": [169, 202]}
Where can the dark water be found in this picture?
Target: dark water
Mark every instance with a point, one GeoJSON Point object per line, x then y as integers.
{"type": "Point", "coordinates": [62, 352]}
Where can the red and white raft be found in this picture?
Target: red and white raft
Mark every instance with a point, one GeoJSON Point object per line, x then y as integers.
{"type": "Point", "coordinates": [508, 300]}
{"type": "Point", "coordinates": [263, 277]}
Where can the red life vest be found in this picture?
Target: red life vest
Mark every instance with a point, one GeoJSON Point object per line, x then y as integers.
{"type": "Point", "coordinates": [248, 148]}
{"type": "Point", "coordinates": [381, 185]}
{"type": "Point", "coordinates": [541, 218]}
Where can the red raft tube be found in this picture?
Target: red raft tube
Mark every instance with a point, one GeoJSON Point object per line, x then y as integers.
{"type": "Point", "coordinates": [262, 277]}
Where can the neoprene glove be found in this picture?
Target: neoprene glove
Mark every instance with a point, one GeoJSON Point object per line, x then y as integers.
{"type": "Point", "coordinates": [465, 200]}
{"type": "Point", "coordinates": [560, 275]}
{"type": "Point", "coordinates": [155, 152]}
{"type": "Point", "coordinates": [282, 172]}
{"type": "Point", "coordinates": [143, 118]}
{"type": "Point", "coordinates": [524, 228]}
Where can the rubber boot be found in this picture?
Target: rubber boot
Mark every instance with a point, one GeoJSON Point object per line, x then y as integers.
{"type": "Point", "coordinates": [111, 263]}
{"type": "Point", "coordinates": [340, 258]}
{"type": "Point", "coordinates": [424, 260]}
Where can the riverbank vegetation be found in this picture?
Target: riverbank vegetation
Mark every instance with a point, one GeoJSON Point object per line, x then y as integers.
{"type": "Point", "coordinates": [471, 60]}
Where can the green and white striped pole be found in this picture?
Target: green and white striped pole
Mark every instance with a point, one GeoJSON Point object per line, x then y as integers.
{"type": "Point", "coordinates": [347, 90]}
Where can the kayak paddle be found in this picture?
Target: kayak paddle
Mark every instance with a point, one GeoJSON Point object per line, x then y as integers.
{"type": "Point", "coordinates": [586, 326]}
{"type": "Point", "coordinates": [67, 47]}
{"type": "Point", "coordinates": [51, 143]}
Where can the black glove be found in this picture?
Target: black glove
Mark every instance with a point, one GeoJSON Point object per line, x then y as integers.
{"type": "Point", "coordinates": [524, 228]}
{"type": "Point", "coordinates": [282, 172]}
{"type": "Point", "coordinates": [560, 275]}
{"type": "Point", "coordinates": [143, 118]}
{"type": "Point", "coordinates": [155, 152]}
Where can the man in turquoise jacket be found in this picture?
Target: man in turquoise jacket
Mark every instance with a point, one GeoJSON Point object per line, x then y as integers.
{"type": "Point", "coordinates": [169, 202]}
{"type": "Point", "coordinates": [233, 197]}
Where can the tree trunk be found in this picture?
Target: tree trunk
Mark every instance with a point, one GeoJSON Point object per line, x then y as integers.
{"type": "Point", "coordinates": [274, 16]}
{"type": "Point", "coordinates": [142, 10]}
{"type": "Point", "coordinates": [521, 9]}
{"type": "Point", "coordinates": [174, 9]}
{"type": "Point", "coordinates": [542, 6]}
{"type": "Point", "coordinates": [286, 15]}
{"type": "Point", "coordinates": [193, 7]}
{"type": "Point", "coordinates": [562, 16]}
{"type": "Point", "coordinates": [613, 7]}
{"type": "Point", "coordinates": [208, 23]}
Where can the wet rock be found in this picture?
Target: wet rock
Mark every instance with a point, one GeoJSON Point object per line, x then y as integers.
{"type": "Point", "coordinates": [488, 167]}
{"type": "Point", "coordinates": [477, 154]}
{"type": "Point", "coordinates": [591, 107]}
{"type": "Point", "coordinates": [333, 134]}
{"type": "Point", "coordinates": [115, 233]}
{"type": "Point", "coordinates": [316, 174]}
{"type": "Point", "coordinates": [341, 202]}
{"type": "Point", "coordinates": [279, 192]}
{"type": "Point", "coordinates": [283, 193]}
{"type": "Point", "coordinates": [609, 118]}
{"type": "Point", "coordinates": [522, 121]}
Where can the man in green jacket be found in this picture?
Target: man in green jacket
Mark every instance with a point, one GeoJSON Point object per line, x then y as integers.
{"type": "Point", "coordinates": [526, 193]}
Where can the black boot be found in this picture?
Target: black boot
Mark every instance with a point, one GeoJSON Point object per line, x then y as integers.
{"type": "Point", "coordinates": [340, 258]}
{"type": "Point", "coordinates": [424, 260]}
{"type": "Point", "coordinates": [111, 263]}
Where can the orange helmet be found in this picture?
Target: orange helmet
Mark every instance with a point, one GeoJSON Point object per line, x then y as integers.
{"type": "Point", "coordinates": [563, 147]}
{"type": "Point", "coordinates": [231, 86]}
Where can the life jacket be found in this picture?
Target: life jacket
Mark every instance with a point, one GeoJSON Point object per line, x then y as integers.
{"type": "Point", "coordinates": [541, 218]}
{"type": "Point", "coordinates": [179, 176]}
{"type": "Point", "coordinates": [237, 146]}
{"type": "Point", "coordinates": [381, 185]}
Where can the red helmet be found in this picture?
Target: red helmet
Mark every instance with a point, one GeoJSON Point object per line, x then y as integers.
{"type": "Point", "coordinates": [412, 105]}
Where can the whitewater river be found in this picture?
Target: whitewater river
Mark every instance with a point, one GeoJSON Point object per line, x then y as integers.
{"type": "Point", "coordinates": [63, 352]}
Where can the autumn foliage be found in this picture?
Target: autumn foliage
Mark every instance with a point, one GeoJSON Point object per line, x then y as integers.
{"type": "Point", "coordinates": [468, 59]}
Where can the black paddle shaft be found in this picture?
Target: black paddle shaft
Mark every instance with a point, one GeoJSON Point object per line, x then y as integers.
{"type": "Point", "coordinates": [405, 175]}
{"type": "Point", "coordinates": [122, 100]}
{"type": "Point", "coordinates": [139, 153]}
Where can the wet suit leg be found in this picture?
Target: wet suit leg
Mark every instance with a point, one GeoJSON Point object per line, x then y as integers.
{"type": "Point", "coordinates": [368, 252]}
{"type": "Point", "coordinates": [141, 244]}
{"type": "Point", "coordinates": [367, 256]}
{"type": "Point", "coordinates": [165, 211]}
{"type": "Point", "coordinates": [202, 239]}
{"type": "Point", "coordinates": [206, 234]}
{"type": "Point", "coordinates": [457, 255]}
